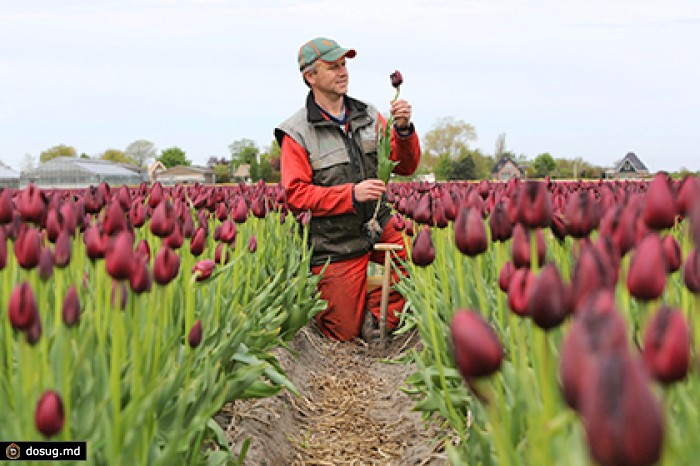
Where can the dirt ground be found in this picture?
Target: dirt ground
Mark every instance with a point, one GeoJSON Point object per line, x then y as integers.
{"type": "Point", "coordinates": [351, 410]}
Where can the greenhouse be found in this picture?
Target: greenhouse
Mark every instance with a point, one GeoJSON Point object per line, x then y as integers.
{"type": "Point", "coordinates": [8, 178]}
{"type": "Point", "coordinates": [69, 172]}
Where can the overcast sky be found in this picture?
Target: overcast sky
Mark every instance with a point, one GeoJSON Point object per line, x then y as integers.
{"type": "Point", "coordinates": [585, 78]}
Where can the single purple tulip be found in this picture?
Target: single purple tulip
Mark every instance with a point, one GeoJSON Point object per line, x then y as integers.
{"type": "Point", "coordinates": [549, 301]}
{"type": "Point", "coordinates": [163, 220]}
{"type": "Point", "coordinates": [48, 415]}
{"type": "Point", "coordinates": [119, 256]}
{"type": "Point", "coordinates": [203, 269]}
{"type": "Point", "coordinates": [239, 213]}
{"type": "Point", "coordinates": [71, 307]}
{"type": "Point", "coordinates": [691, 271]}
{"type": "Point", "coordinates": [519, 291]}
{"type": "Point", "coordinates": [31, 204]}
{"type": "Point", "coordinates": [62, 250]}
{"type": "Point", "coordinates": [396, 79]}
{"type": "Point", "coordinates": [166, 265]}
{"type": "Point", "coordinates": [423, 251]}
{"type": "Point", "coordinates": [22, 309]}
{"type": "Point", "coordinates": [252, 244]}
{"type": "Point", "coordinates": [228, 232]}
{"type": "Point", "coordinates": [46, 263]}
{"type": "Point", "coordinates": [198, 242]}
{"type": "Point", "coordinates": [659, 206]}
{"type": "Point", "coordinates": [505, 275]}
{"type": "Point", "coordinates": [646, 278]}
{"type": "Point", "coordinates": [534, 206]}
{"type": "Point", "coordinates": [667, 346]}
{"type": "Point", "coordinates": [672, 253]}
{"type": "Point", "coordinates": [477, 351]}
{"type": "Point", "coordinates": [194, 338]}
{"type": "Point", "coordinates": [140, 279]}
{"type": "Point", "coordinates": [470, 232]}
{"type": "Point", "coordinates": [6, 206]}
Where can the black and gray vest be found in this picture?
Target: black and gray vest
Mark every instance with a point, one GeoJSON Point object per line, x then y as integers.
{"type": "Point", "coordinates": [337, 158]}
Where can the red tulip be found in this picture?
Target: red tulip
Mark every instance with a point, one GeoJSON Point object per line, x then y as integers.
{"type": "Point", "coordinates": [240, 210]}
{"type": "Point", "coordinates": [519, 291]}
{"type": "Point", "coordinates": [31, 204]}
{"type": "Point", "coordinates": [688, 195]}
{"type": "Point", "coordinates": [143, 249]}
{"type": "Point", "coordinates": [423, 252]}
{"type": "Point", "coordinates": [28, 248]}
{"type": "Point", "coordinates": [646, 278]}
{"type": "Point", "coordinates": [520, 246]}
{"type": "Point", "coordinates": [140, 279]}
{"type": "Point", "coordinates": [198, 242]}
{"type": "Point", "coordinates": [95, 242]}
{"type": "Point", "coordinates": [22, 309]}
{"type": "Point", "coordinates": [54, 224]}
{"type": "Point", "coordinates": [672, 253]}
{"type": "Point", "coordinates": [477, 351]}
{"type": "Point", "coordinates": [396, 78]}
{"type": "Point", "coordinates": [423, 212]}
{"type": "Point", "coordinates": [624, 422]}
{"type": "Point", "coordinates": [534, 205]}
{"type": "Point", "coordinates": [222, 254]}
{"type": "Point", "coordinates": [33, 332]}
{"type": "Point", "coordinates": [221, 212]}
{"type": "Point", "coordinates": [114, 219]}
{"type": "Point", "coordinates": [156, 196]}
{"type": "Point", "coordinates": [659, 206]}
{"type": "Point", "coordinates": [549, 301]}
{"type": "Point", "coordinates": [194, 338]}
{"type": "Point", "coordinates": [124, 198]}
{"type": "Point", "coordinates": [582, 214]}
{"type": "Point", "coordinates": [137, 215]}
{"type": "Point", "coordinates": [505, 275]}
{"type": "Point", "coordinates": [176, 238]}
{"type": "Point", "coordinates": [62, 250]}
{"type": "Point", "coordinates": [500, 224]}
{"type": "Point", "coordinates": [228, 232]}
{"type": "Point", "coordinates": [203, 269]}
{"type": "Point", "coordinates": [71, 307]}
{"type": "Point", "coordinates": [119, 256]}
{"type": "Point", "coordinates": [46, 262]}
{"type": "Point", "coordinates": [667, 345]}
{"type": "Point", "coordinates": [48, 416]}
{"type": "Point", "coordinates": [6, 207]}
{"type": "Point", "coordinates": [252, 244]}
{"type": "Point", "coordinates": [470, 232]}
{"type": "Point", "coordinates": [166, 265]}
{"type": "Point", "coordinates": [691, 271]}
{"type": "Point", "coordinates": [163, 220]}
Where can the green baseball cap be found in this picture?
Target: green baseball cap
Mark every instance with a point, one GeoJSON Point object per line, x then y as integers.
{"type": "Point", "coordinates": [322, 48]}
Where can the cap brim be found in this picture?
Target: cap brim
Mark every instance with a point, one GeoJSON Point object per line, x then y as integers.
{"type": "Point", "coordinates": [337, 54]}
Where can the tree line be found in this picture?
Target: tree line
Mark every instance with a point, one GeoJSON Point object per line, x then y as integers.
{"type": "Point", "coordinates": [447, 155]}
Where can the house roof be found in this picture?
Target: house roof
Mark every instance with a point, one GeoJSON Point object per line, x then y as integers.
{"type": "Point", "coordinates": [502, 161]}
{"type": "Point", "coordinates": [95, 166]}
{"type": "Point", "coordinates": [637, 164]}
{"type": "Point", "coordinates": [185, 170]}
{"type": "Point", "coordinates": [243, 171]}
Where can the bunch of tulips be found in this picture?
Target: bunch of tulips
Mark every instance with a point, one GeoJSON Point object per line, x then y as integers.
{"type": "Point", "coordinates": [132, 315]}
{"type": "Point", "coordinates": [559, 319]}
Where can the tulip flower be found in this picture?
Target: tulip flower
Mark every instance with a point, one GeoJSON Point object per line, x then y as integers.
{"type": "Point", "coordinates": [143, 249]}
{"type": "Point", "coordinates": [239, 213]}
{"type": "Point", "coordinates": [114, 219]}
{"type": "Point", "coordinates": [423, 213]}
{"type": "Point", "coordinates": [549, 301]}
{"type": "Point", "coordinates": [228, 232]}
{"type": "Point", "coordinates": [119, 256]}
{"type": "Point", "coordinates": [137, 215]}
{"type": "Point", "coordinates": [593, 272]}
{"type": "Point", "coordinates": [688, 195]}
{"type": "Point", "coordinates": [54, 224]}
{"type": "Point", "coordinates": [624, 422]}
{"type": "Point", "coordinates": [33, 332]}
{"type": "Point", "coordinates": [175, 239]}
{"type": "Point", "coordinates": [667, 346]}
{"type": "Point", "coordinates": [166, 265]}
{"type": "Point", "coordinates": [6, 207]}
{"type": "Point", "coordinates": [62, 250]}
{"type": "Point", "coordinates": [95, 242]}
{"type": "Point", "coordinates": [140, 279]}
{"type": "Point", "coordinates": [659, 206]}
{"type": "Point", "coordinates": [22, 309]}
{"type": "Point", "coordinates": [534, 205]}
{"type": "Point", "coordinates": [163, 220]}
{"type": "Point", "coordinates": [520, 246]}
{"type": "Point", "coordinates": [505, 275]}
{"type": "Point", "coordinates": [672, 253]}
{"type": "Point", "coordinates": [124, 198]}
{"type": "Point", "coordinates": [399, 223]}
{"type": "Point", "coordinates": [49, 416]}
{"type": "Point", "coordinates": [188, 228]}
{"type": "Point", "coordinates": [194, 338]}
{"type": "Point", "coordinates": [519, 291]}
{"type": "Point", "coordinates": [198, 242]}
{"type": "Point", "coordinates": [203, 269]}
{"type": "Point", "coordinates": [31, 204]}
{"type": "Point", "coordinates": [252, 244]}
{"type": "Point", "coordinates": [222, 253]}
{"type": "Point", "coordinates": [46, 263]}
{"type": "Point", "coordinates": [28, 248]}
{"type": "Point", "coordinates": [423, 251]}
{"type": "Point", "coordinates": [156, 196]}
{"type": "Point", "coordinates": [470, 232]}
{"type": "Point", "coordinates": [477, 351]}
{"type": "Point", "coordinates": [582, 214]}
{"type": "Point", "coordinates": [221, 212]}
{"type": "Point", "coordinates": [71, 307]}
{"type": "Point", "coordinates": [691, 271]}
{"type": "Point", "coordinates": [646, 278]}
{"type": "Point", "coordinates": [396, 78]}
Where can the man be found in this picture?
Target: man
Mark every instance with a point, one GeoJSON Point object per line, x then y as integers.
{"type": "Point", "coordinates": [329, 168]}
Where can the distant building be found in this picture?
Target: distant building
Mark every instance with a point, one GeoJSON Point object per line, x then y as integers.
{"type": "Point", "coordinates": [242, 174]}
{"type": "Point", "coordinates": [155, 168]}
{"type": "Point", "coordinates": [506, 169]}
{"type": "Point", "coordinates": [629, 167]}
{"type": "Point", "coordinates": [75, 172]}
{"type": "Point", "coordinates": [184, 174]}
{"type": "Point", "coordinates": [8, 178]}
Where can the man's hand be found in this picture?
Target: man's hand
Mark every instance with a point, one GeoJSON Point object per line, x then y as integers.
{"type": "Point", "coordinates": [369, 190]}
{"type": "Point", "coordinates": [401, 110]}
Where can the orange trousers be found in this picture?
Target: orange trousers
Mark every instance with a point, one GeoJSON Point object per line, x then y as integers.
{"type": "Point", "coordinates": [344, 286]}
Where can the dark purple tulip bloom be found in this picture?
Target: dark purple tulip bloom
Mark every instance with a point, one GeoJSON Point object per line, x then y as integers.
{"type": "Point", "coordinates": [505, 275]}
{"type": "Point", "coordinates": [71, 307]}
{"type": "Point", "coordinates": [62, 250]}
{"type": "Point", "coordinates": [137, 215]}
{"type": "Point", "coordinates": [46, 262]}
{"type": "Point", "coordinates": [691, 271]}
{"type": "Point", "coordinates": [222, 253]}
{"type": "Point", "coordinates": [252, 244]}
{"type": "Point", "coordinates": [140, 279]}
{"type": "Point", "coordinates": [396, 78]}
{"type": "Point", "coordinates": [399, 223]}
{"type": "Point", "coordinates": [549, 301]}
{"type": "Point", "coordinates": [646, 278]}
{"type": "Point", "coordinates": [54, 224]}
{"type": "Point", "coordinates": [618, 431]}
{"type": "Point", "coordinates": [534, 206]}
{"type": "Point", "coordinates": [582, 214]}
{"type": "Point", "coordinates": [423, 252]}
{"type": "Point", "coordinates": [477, 351]}
{"type": "Point", "coordinates": [688, 195]}
{"type": "Point", "coordinates": [423, 212]}
{"type": "Point", "coordinates": [519, 291]}
{"type": "Point", "coordinates": [143, 249]}
{"type": "Point", "coordinates": [659, 206]}
{"type": "Point", "coordinates": [163, 220]}
{"type": "Point", "coordinates": [22, 309]}
{"type": "Point", "coordinates": [48, 415]}
{"type": "Point", "coordinates": [198, 242]}
{"type": "Point", "coordinates": [520, 246]}
{"type": "Point", "coordinates": [175, 239]}
{"type": "Point", "coordinates": [228, 232]}
{"type": "Point", "coordinates": [6, 207]}
{"type": "Point", "coordinates": [31, 204]}
{"type": "Point", "coordinates": [203, 269]}
{"type": "Point", "coordinates": [667, 346]}
{"type": "Point", "coordinates": [119, 256]}
{"type": "Point", "coordinates": [28, 248]}
{"type": "Point", "coordinates": [156, 196]}
{"type": "Point", "coordinates": [499, 223]}
{"type": "Point", "coordinates": [194, 338]}
{"type": "Point", "coordinates": [221, 212]}
{"type": "Point", "coordinates": [239, 213]}
{"type": "Point", "coordinates": [166, 265]}
{"type": "Point", "coordinates": [114, 220]}
{"type": "Point", "coordinates": [672, 253]}
{"type": "Point", "coordinates": [95, 242]}
{"type": "Point", "coordinates": [470, 232]}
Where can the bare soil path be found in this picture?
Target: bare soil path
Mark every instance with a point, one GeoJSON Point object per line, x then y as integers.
{"type": "Point", "coordinates": [351, 410]}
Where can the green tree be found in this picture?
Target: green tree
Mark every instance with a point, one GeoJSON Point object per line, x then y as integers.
{"type": "Point", "coordinates": [443, 167]}
{"type": "Point", "coordinates": [222, 173]}
{"type": "Point", "coordinates": [463, 169]}
{"type": "Point", "coordinates": [60, 150]}
{"type": "Point", "coordinates": [115, 155]}
{"type": "Point", "coordinates": [448, 137]}
{"type": "Point", "coordinates": [173, 156]}
{"type": "Point", "coordinates": [244, 151]}
{"type": "Point", "coordinates": [543, 165]}
{"type": "Point", "coordinates": [141, 151]}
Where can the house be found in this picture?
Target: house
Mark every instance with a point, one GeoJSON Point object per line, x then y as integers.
{"type": "Point", "coordinates": [8, 177]}
{"type": "Point", "coordinates": [76, 172]}
{"type": "Point", "coordinates": [155, 168]}
{"type": "Point", "coordinates": [242, 174]}
{"type": "Point", "coordinates": [629, 167]}
{"type": "Point", "coordinates": [184, 174]}
{"type": "Point", "coordinates": [506, 168]}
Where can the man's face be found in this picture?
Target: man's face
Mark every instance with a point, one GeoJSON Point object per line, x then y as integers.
{"type": "Point", "coordinates": [330, 77]}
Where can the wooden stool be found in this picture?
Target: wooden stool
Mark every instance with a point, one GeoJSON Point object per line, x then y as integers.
{"type": "Point", "coordinates": [384, 280]}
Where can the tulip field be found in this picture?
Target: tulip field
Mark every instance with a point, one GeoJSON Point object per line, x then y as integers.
{"type": "Point", "coordinates": [131, 316]}
{"type": "Point", "coordinates": [559, 320]}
